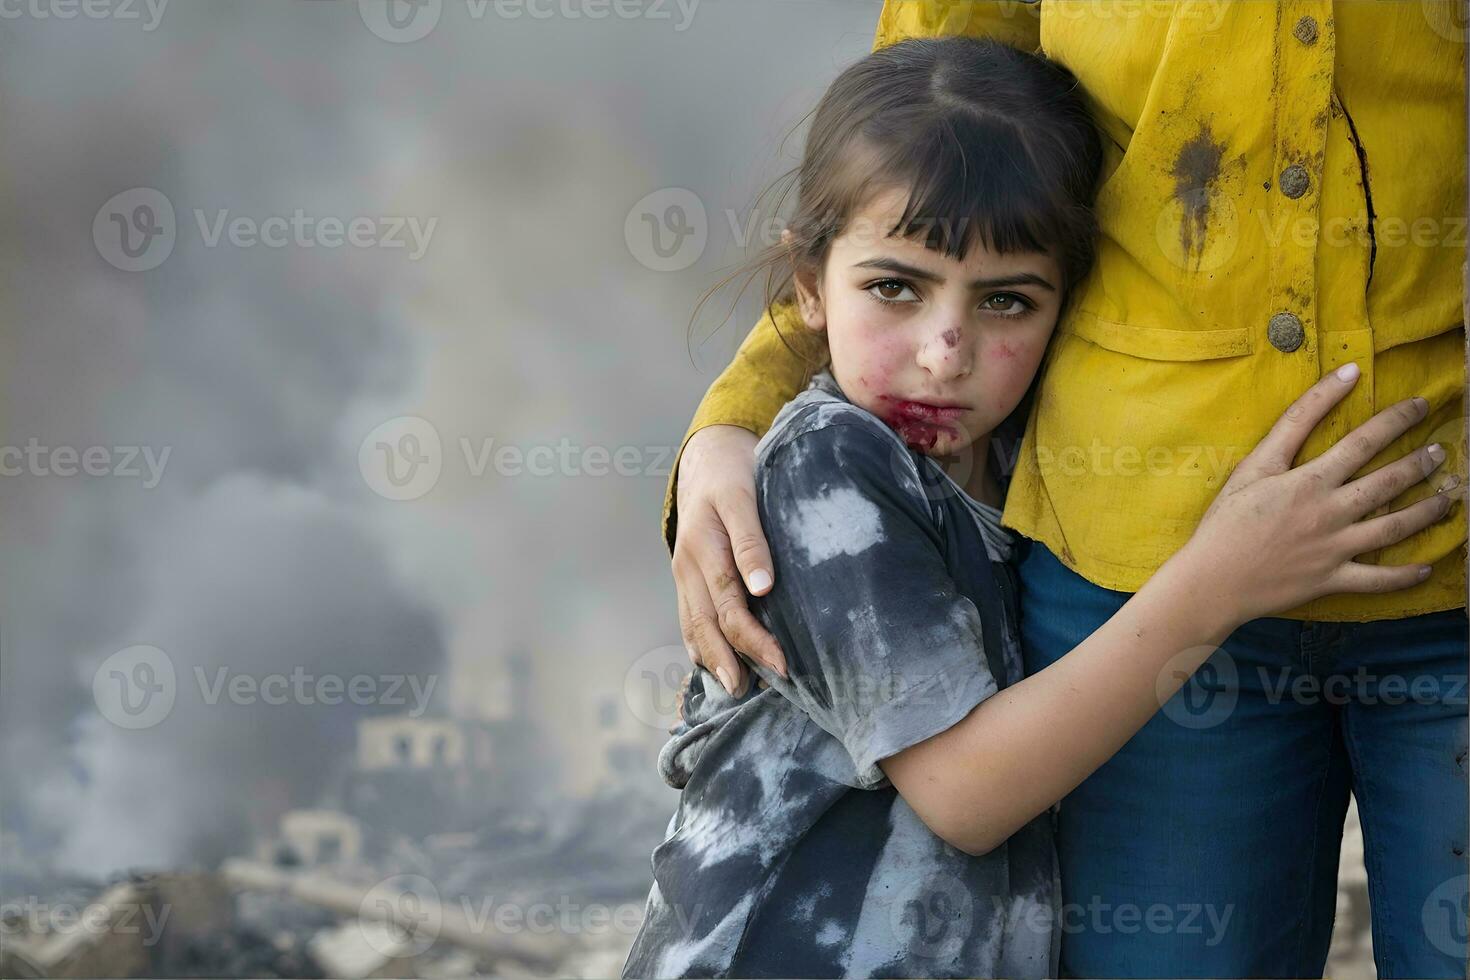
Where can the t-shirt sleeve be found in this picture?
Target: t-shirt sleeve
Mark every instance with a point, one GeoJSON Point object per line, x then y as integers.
{"type": "Point", "coordinates": [882, 649]}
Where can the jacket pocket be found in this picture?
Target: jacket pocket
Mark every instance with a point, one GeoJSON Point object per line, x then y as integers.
{"type": "Point", "coordinates": [1160, 343]}
{"type": "Point", "coordinates": [1392, 331]}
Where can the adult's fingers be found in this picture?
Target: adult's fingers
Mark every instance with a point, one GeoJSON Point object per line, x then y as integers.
{"type": "Point", "coordinates": [1357, 577]}
{"type": "Point", "coordinates": [1380, 532]}
{"type": "Point", "coordinates": [738, 513]}
{"type": "Point", "coordinates": [1353, 451]}
{"type": "Point", "coordinates": [1366, 494]}
{"type": "Point", "coordinates": [702, 637]}
{"type": "Point", "coordinates": [740, 519]}
{"type": "Point", "coordinates": [738, 624]}
{"type": "Point", "coordinates": [1279, 447]}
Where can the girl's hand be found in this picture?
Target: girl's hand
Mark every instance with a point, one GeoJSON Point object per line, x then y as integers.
{"type": "Point", "coordinates": [1277, 536]}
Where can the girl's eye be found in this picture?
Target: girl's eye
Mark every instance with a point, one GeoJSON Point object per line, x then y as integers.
{"type": "Point", "coordinates": [891, 292]}
{"type": "Point", "coordinates": [1013, 304]}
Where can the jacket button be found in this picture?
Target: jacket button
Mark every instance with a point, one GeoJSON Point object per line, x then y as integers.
{"type": "Point", "coordinates": [1294, 181]}
{"type": "Point", "coordinates": [1306, 30]}
{"type": "Point", "coordinates": [1285, 332]}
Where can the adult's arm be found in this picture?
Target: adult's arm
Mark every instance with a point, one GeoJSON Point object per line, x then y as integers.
{"type": "Point", "coordinates": [719, 550]}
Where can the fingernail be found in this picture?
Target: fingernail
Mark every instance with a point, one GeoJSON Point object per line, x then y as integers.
{"type": "Point", "coordinates": [1347, 372]}
{"type": "Point", "coordinates": [1424, 572]}
{"type": "Point", "coordinates": [1422, 404]}
{"type": "Point", "coordinates": [1450, 483]}
{"type": "Point", "coordinates": [1436, 453]}
{"type": "Point", "coordinates": [760, 581]}
{"type": "Point", "coordinates": [724, 676]}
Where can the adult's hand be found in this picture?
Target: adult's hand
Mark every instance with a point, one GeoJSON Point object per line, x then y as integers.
{"type": "Point", "coordinates": [720, 552]}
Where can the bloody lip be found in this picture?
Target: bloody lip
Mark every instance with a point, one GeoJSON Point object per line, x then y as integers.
{"type": "Point", "coordinates": [921, 423]}
{"type": "Point", "coordinates": [924, 411]}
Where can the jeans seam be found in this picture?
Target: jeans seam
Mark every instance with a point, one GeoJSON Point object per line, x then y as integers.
{"type": "Point", "coordinates": [1301, 931]}
{"type": "Point", "coordinates": [1379, 912]}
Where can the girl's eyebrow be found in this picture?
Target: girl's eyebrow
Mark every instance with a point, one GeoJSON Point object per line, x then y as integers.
{"type": "Point", "coordinates": [914, 272]}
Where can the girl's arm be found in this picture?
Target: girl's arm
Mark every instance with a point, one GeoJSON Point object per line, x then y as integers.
{"type": "Point", "coordinates": [1274, 537]}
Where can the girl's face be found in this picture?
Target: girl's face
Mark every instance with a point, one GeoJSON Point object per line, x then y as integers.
{"type": "Point", "coordinates": [940, 349]}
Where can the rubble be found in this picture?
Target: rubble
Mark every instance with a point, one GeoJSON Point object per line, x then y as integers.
{"type": "Point", "coordinates": [426, 856]}
{"type": "Point", "coordinates": [328, 896]}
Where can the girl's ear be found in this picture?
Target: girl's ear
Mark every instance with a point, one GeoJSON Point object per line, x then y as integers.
{"type": "Point", "coordinates": [807, 280]}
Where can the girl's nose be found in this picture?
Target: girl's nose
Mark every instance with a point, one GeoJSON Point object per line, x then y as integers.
{"type": "Point", "coordinates": [945, 351]}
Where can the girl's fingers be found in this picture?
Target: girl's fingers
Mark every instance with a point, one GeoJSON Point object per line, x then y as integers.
{"type": "Point", "coordinates": [1353, 451]}
{"type": "Point", "coordinates": [1276, 451]}
{"type": "Point", "coordinates": [702, 637]}
{"type": "Point", "coordinates": [1366, 494]}
{"type": "Point", "coordinates": [1380, 532]}
{"type": "Point", "coordinates": [1356, 577]}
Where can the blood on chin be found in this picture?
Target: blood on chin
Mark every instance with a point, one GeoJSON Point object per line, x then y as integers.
{"type": "Point", "coordinates": [925, 436]}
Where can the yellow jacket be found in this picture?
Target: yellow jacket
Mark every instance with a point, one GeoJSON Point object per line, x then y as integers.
{"type": "Point", "coordinates": [1284, 192]}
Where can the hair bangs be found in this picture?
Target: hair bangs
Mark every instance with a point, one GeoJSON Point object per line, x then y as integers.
{"type": "Point", "coordinates": [970, 180]}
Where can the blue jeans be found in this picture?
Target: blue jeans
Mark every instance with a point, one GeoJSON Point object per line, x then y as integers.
{"type": "Point", "coordinates": [1208, 846]}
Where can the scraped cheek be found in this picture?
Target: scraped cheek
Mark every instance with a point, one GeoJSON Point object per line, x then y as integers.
{"type": "Point", "coordinates": [1010, 366]}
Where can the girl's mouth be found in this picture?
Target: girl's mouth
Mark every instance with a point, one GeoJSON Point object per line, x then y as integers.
{"type": "Point", "coordinates": [920, 424]}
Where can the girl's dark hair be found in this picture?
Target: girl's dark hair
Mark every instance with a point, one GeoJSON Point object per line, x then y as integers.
{"type": "Point", "coordinates": [992, 143]}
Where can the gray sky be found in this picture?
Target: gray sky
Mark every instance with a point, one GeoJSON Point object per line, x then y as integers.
{"type": "Point", "coordinates": [365, 228]}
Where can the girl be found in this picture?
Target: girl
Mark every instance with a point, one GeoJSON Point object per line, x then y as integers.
{"type": "Point", "coordinates": [882, 810]}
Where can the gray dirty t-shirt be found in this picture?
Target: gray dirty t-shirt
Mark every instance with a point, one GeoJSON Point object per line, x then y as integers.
{"type": "Point", "coordinates": [790, 853]}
